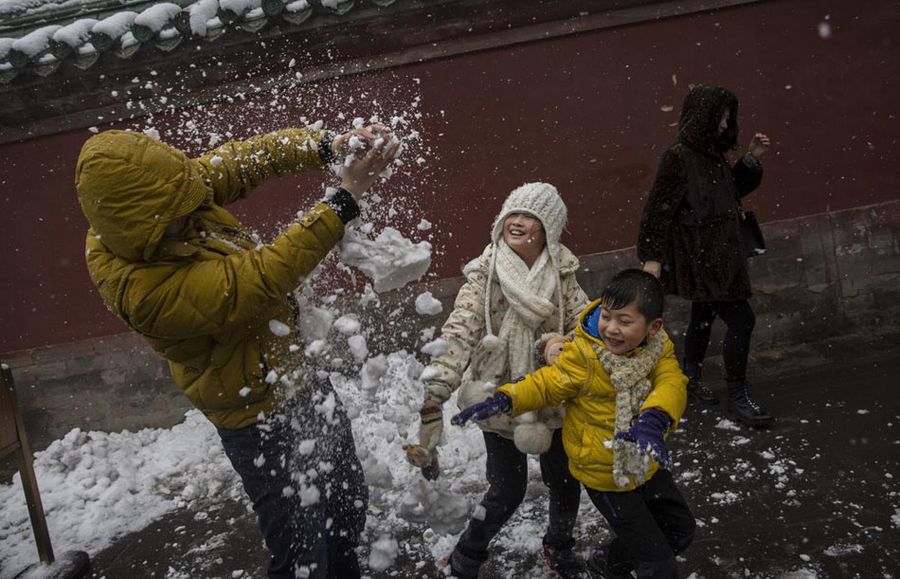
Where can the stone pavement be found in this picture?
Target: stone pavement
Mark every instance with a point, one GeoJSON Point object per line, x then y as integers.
{"type": "Point", "coordinates": [817, 495]}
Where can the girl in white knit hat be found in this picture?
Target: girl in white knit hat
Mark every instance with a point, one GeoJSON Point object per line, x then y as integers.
{"type": "Point", "coordinates": [521, 291]}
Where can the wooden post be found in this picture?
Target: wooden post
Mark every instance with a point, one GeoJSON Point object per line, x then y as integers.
{"type": "Point", "coordinates": [14, 439]}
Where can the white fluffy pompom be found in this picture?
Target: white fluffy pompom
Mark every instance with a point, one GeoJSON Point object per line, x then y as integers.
{"type": "Point", "coordinates": [533, 438]}
{"type": "Point", "coordinates": [526, 418]}
{"type": "Point", "coordinates": [490, 342]}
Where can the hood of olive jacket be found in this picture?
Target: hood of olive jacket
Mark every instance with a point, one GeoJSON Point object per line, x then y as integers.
{"type": "Point", "coordinates": [701, 112]}
{"type": "Point", "coordinates": [131, 187]}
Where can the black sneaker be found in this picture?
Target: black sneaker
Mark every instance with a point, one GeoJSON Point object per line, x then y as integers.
{"type": "Point", "coordinates": [699, 392]}
{"type": "Point", "coordinates": [564, 564]}
{"type": "Point", "coordinates": [600, 569]}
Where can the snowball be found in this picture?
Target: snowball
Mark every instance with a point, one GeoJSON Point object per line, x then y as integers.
{"type": "Point", "coordinates": [279, 328]}
{"type": "Point", "coordinates": [428, 305]}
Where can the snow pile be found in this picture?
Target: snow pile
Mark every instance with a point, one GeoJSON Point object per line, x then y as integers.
{"type": "Point", "coordinates": [391, 260]}
{"type": "Point", "coordinates": [98, 486]}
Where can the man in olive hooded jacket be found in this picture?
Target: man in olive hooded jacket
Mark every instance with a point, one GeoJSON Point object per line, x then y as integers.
{"type": "Point", "coordinates": [173, 264]}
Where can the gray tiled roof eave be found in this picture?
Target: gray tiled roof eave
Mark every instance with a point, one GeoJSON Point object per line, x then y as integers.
{"type": "Point", "coordinates": [44, 60]}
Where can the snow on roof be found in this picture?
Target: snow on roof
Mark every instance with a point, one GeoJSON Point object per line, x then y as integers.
{"type": "Point", "coordinates": [40, 35]}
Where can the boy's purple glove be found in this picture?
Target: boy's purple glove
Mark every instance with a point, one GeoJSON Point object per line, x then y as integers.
{"type": "Point", "coordinates": [647, 433]}
{"type": "Point", "coordinates": [496, 404]}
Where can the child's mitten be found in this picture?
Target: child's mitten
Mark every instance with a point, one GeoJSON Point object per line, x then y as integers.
{"type": "Point", "coordinates": [424, 455]}
{"type": "Point", "coordinates": [647, 432]}
{"type": "Point", "coordinates": [496, 404]}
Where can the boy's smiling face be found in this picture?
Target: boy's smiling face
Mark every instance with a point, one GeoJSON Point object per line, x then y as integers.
{"type": "Point", "coordinates": [624, 329]}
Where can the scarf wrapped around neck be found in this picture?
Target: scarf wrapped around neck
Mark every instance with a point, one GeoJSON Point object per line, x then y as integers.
{"type": "Point", "coordinates": [529, 292]}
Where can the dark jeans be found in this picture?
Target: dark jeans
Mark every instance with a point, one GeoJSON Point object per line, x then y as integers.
{"type": "Point", "coordinates": [302, 474]}
{"type": "Point", "coordinates": [507, 474]}
{"type": "Point", "coordinates": [739, 317]}
{"type": "Point", "coordinates": [652, 524]}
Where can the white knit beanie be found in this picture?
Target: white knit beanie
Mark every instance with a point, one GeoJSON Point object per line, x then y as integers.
{"type": "Point", "coordinates": [540, 200]}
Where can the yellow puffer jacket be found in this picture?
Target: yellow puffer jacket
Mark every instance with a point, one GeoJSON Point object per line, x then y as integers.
{"type": "Point", "coordinates": [579, 379]}
{"type": "Point", "coordinates": [204, 298]}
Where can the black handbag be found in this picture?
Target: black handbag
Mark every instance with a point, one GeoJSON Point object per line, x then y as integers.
{"type": "Point", "coordinates": [752, 241]}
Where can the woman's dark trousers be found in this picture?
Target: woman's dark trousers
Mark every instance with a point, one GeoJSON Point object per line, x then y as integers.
{"type": "Point", "coordinates": [738, 317]}
{"type": "Point", "coordinates": [507, 474]}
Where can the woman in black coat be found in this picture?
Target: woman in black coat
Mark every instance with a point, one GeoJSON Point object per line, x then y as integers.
{"type": "Point", "coordinates": [690, 239]}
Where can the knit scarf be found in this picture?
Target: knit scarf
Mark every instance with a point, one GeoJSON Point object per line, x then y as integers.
{"type": "Point", "coordinates": [529, 292]}
{"type": "Point", "coordinates": [630, 376]}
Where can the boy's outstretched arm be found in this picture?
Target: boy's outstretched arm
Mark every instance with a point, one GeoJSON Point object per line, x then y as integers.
{"type": "Point", "coordinates": [548, 386]}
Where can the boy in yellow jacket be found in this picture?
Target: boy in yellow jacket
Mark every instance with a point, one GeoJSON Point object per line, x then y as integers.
{"type": "Point", "coordinates": [178, 268]}
{"type": "Point", "coordinates": [624, 393]}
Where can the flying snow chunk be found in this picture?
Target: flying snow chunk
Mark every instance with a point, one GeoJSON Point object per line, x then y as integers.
{"type": "Point", "coordinates": [152, 133]}
{"type": "Point", "coordinates": [424, 225]}
{"type": "Point", "coordinates": [244, 391]}
{"type": "Point", "coordinates": [824, 30]}
{"type": "Point", "coordinates": [346, 325]}
{"type": "Point", "coordinates": [391, 260]}
{"type": "Point", "coordinates": [279, 328]}
{"type": "Point", "coordinates": [428, 305]}
{"type": "Point", "coordinates": [309, 496]}
{"type": "Point", "coordinates": [372, 372]}
{"type": "Point", "coordinates": [436, 348]}
{"type": "Point", "coordinates": [358, 347]}
{"type": "Point", "coordinates": [383, 553]}
{"type": "Point", "coordinates": [429, 373]}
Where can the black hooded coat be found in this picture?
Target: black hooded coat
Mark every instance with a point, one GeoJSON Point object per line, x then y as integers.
{"type": "Point", "coordinates": [691, 222]}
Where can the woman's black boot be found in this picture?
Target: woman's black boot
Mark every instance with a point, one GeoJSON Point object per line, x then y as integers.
{"type": "Point", "coordinates": [742, 406]}
{"type": "Point", "coordinates": [695, 387]}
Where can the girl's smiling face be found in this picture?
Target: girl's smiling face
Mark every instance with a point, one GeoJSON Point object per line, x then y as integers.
{"type": "Point", "coordinates": [624, 329]}
{"type": "Point", "coordinates": [524, 234]}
